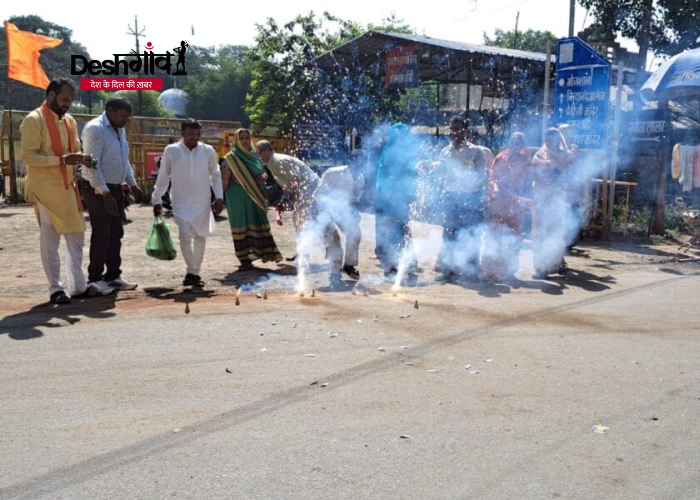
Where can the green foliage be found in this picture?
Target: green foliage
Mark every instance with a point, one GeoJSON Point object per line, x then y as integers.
{"type": "Point", "coordinates": [56, 61]}
{"type": "Point", "coordinates": [685, 28]}
{"type": "Point", "coordinates": [218, 84]}
{"type": "Point", "coordinates": [288, 88]}
{"type": "Point", "coordinates": [639, 220]}
{"type": "Point", "coordinates": [673, 23]}
{"type": "Point", "coordinates": [284, 80]}
{"type": "Point", "coordinates": [149, 104]}
{"type": "Point", "coordinates": [530, 40]}
{"type": "Point", "coordinates": [392, 24]}
{"type": "Point", "coordinates": [675, 221]}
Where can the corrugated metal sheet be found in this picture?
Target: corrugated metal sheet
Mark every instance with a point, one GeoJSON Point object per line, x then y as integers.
{"type": "Point", "coordinates": [440, 61]}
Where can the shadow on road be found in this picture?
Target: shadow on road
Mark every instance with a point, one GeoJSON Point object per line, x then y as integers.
{"type": "Point", "coordinates": [553, 285]}
{"type": "Point", "coordinates": [27, 325]}
{"type": "Point", "coordinates": [185, 296]}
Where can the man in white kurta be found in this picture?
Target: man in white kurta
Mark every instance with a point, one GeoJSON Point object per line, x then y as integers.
{"type": "Point", "coordinates": [190, 167]}
{"type": "Point", "coordinates": [299, 182]}
{"type": "Point", "coordinates": [337, 198]}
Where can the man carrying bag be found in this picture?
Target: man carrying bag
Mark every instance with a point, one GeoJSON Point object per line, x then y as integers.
{"type": "Point", "coordinates": [190, 167]}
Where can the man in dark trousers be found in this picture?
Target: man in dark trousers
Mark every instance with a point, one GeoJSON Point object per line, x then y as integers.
{"type": "Point", "coordinates": [104, 138]}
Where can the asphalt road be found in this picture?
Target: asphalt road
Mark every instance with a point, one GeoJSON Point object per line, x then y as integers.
{"type": "Point", "coordinates": [468, 396]}
{"type": "Point", "coordinates": [577, 388]}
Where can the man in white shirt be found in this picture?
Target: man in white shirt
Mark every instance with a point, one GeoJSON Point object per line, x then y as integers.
{"type": "Point", "coordinates": [104, 138]}
{"type": "Point", "coordinates": [461, 175]}
{"type": "Point", "coordinates": [337, 197]}
{"type": "Point", "coordinates": [191, 169]}
{"type": "Point", "coordinates": [299, 182]}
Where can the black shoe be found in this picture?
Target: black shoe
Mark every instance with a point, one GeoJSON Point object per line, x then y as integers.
{"type": "Point", "coordinates": [193, 280]}
{"type": "Point", "coordinates": [351, 272]}
{"type": "Point", "coordinates": [59, 297]}
{"type": "Point", "coordinates": [390, 271]}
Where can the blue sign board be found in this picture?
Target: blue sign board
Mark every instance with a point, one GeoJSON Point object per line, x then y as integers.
{"type": "Point", "coordinates": [582, 92]}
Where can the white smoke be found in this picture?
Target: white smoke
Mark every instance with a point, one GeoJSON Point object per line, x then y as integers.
{"type": "Point", "coordinates": [414, 194]}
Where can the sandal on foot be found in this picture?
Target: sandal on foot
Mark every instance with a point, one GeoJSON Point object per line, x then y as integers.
{"type": "Point", "coordinates": [59, 298]}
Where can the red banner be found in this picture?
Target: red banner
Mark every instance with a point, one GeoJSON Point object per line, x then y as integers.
{"type": "Point", "coordinates": [152, 163]}
{"type": "Point", "coordinates": [401, 67]}
{"type": "Point", "coordinates": [121, 84]}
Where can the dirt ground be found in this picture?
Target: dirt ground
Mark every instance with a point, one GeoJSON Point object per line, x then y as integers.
{"type": "Point", "coordinates": [24, 283]}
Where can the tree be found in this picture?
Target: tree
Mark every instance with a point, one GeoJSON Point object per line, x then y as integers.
{"type": "Point", "coordinates": [285, 88]}
{"type": "Point", "coordinates": [680, 17]}
{"type": "Point", "coordinates": [288, 89]}
{"type": "Point", "coordinates": [218, 90]}
{"type": "Point", "coordinates": [392, 24]}
{"type": "Point", "coordinates": [530, 40]}
{"type": "Point", "coordinates": [56, 61]}
{"type": "Point", "coordinates": [150, 104]}
{"type": "Point", "coordinates": [666, 27]}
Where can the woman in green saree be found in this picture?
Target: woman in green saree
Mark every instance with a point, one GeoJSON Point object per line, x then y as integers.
{"type": "Point", "coordinates": [246, 203]}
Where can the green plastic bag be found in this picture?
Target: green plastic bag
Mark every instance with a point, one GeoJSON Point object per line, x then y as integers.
{"type": "Point", "coordinates": [160, 245]}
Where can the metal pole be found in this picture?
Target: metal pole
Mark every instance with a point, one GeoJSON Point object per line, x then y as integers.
{"type": "Point", "coordinates": [437, 103]}
{"type": "Point", "coordinates": [137, 34]}
{"type": "Point", "coordinates": [608, 225]}
{"type": "Point", "coordinates": [572, 12]}
{"type": "Point", "coordinates": [545, 104]}
{"type": "Point", "coordinates": [14, 195]}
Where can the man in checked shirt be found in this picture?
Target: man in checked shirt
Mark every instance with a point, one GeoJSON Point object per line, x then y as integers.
{"type": "Point", "coordinates": [104, 138]}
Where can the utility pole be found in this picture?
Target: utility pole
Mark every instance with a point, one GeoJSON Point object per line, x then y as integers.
{"type": "Point", "coordinates": [137, 34]}
{"type": "Point", "coordinates": [644, 35]}
{"type": "Point", "coordinates": [572, 13]}
{"type": "Point", "coordinates": [515, 33]}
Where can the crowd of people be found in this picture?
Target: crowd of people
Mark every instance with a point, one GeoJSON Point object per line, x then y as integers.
{"type": "Point", "coordinates": [480, 200]}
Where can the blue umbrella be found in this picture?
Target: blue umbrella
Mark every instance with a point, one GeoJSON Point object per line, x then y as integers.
{"type": "Point", "coordinates": [677, 78]}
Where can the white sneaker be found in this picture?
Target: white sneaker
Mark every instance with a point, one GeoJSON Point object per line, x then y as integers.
{"type": "Point", "coordinates": [122, 284]}
{"type": "Point", "coordinates": [99, 288]}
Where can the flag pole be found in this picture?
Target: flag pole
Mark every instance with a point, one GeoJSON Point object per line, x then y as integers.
{"type": "Point", "coordinates": [13, 171]}
{"type": "Point", "coordinates": [11, 151]}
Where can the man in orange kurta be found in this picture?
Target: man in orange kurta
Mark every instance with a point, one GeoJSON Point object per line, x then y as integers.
{"type": "Point", "coordinates": [51, 153]}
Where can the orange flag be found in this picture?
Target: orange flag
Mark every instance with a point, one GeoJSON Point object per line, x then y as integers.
{"type": "Point", "coordinates": [23, 55]}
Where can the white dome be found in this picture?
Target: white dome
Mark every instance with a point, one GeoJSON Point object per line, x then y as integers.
{"type": "Point", "coordinates": [174, 100]}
